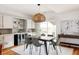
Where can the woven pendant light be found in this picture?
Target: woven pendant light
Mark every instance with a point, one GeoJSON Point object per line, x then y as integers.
{"type": "Point", "coordinates": [38, 17]}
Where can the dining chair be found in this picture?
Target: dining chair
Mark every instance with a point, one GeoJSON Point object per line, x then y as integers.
{"type": "Point", "coordinates": [29, 40]}
{"type": "Point", "coordinates": [37, 44]}
{"type": "Point", "coordinates": [45, 39]}
{"type": "Point", "coordinates": [56, 43]}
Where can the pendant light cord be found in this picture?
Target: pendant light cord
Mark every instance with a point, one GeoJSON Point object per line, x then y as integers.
{"type": "Point", "coordinates": [38, 8]}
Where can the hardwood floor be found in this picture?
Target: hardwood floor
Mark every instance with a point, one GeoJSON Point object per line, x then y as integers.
{"type": "Point", "coordinates": [76, 51]}
{"type": "Point", "coordinates": [10, 52]}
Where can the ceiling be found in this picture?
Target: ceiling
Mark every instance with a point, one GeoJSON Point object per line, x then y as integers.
{"type": "Point", "coordinates": [29, 9]}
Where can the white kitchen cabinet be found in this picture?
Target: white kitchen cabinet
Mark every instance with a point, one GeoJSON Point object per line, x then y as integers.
{"type": "Point", "coordinates": [19, 25]}
{"type": "Point", "coordinates": [30, 24]}
{"type": "Point", "coordinates": [8, 40]}
{"type": "Point", "coordinates": [7, 22]}
{"type": "Point", "coordinates": [0, 21]}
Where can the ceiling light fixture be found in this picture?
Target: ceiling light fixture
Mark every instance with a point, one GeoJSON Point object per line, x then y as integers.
{"type": "Point", "coordinates": [39, 17]}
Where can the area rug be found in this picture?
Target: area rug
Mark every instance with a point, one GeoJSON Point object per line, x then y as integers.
{"type": "Point", "coordinates": [32, 50]}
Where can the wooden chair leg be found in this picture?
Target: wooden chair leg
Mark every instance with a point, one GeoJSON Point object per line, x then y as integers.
{"type": "Point", "coordinates": [40, 51]}
{"type": "Point", "coordinates": [60, 49]}
{"type": "Point", "coordinates": [30, 50]}
{"type": "Point", "coordinates": [45, 43]}
{"type": "Point", "coordinates": [55, 49]}
{"type": "Point", "coordinates": [25, 46]}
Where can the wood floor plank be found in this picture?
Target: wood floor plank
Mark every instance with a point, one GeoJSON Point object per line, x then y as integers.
{"type": "Point", "coordinates": [76, 51]}
{"type": "Point", "coordinates": [10, 52]}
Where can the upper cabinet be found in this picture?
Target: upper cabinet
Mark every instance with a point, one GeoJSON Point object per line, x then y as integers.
{"type": "Point", "coordinates": [7, 22]}
{"type": "Point", "coordinates": [0, 21]}
{"type": "Point", "coordinates": [30, 24]}
{"type": "Point", "coordinates": [12, 23]}
{"type": "Point", "coordinates": [19, 25]}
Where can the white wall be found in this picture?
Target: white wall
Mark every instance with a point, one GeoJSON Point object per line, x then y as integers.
{"type": "Point", "coordinates": [5, 11]}
{"type": "Point", "coordinates": [55, 19]}
{"type": "Point", "coordinates": [59, 17]}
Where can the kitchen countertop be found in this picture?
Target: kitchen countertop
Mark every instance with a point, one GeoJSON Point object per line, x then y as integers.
{"type": "Point", "coordinates": [20, 33]}
{"type": "Point", "coordinates": [5, 34]}
{"type": "Point", "coordinates": [12, 33]}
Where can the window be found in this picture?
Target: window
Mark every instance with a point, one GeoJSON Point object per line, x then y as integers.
{"type": "Point", "coordinates": [47, 27]}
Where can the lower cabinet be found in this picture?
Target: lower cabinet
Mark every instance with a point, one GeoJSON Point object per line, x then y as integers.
{"type": "Point", "coordinates": [1, 44]}
{"type": "Point", "coordinates": [8, 41]}
{"type": "Point", "coordinates": [19, 39]}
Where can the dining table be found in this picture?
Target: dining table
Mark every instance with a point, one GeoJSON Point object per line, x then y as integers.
{"type": "Point", "coordinates": [45, 39]}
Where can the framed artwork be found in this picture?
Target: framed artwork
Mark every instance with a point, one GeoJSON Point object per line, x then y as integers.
{"type": "Point", "coordinates": [70, 26]}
